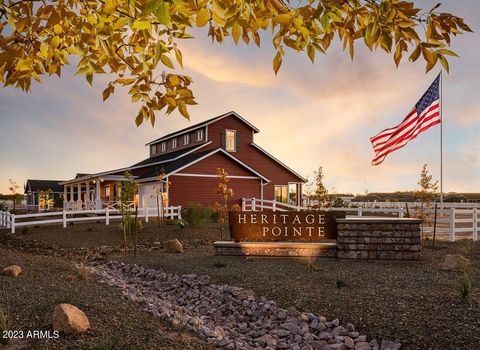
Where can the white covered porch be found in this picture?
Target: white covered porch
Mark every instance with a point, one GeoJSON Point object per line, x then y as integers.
{"type": "Point", "coordinates": [94, 193]}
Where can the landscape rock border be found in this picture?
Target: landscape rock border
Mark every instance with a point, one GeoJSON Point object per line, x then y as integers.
{"type": "Point", "coordinates": [231, 317]}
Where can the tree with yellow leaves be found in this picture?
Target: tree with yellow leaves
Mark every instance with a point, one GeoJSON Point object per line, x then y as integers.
{"type": "Point", "coordinates": [136, 41]}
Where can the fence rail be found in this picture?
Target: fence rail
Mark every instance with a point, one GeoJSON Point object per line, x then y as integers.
{"type": "Point", "coordinates": [449, 221]}
{"type": "Point", "coordinates": [12, 221]}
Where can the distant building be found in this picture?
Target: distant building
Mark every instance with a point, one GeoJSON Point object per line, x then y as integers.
{"type": "Point", "coordinates": [43, 194]}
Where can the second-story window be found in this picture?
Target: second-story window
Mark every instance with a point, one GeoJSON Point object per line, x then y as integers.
{"type": "Point", "coordinates": [163, 146]}
{"type": "Point", "coordinates": [200, 135]}
{"type": "Point", "coordinates": [153, 149]}
{"type": "Point", "coordinates": [174, 143]}
{"type": "Point", "coordinates": [230, 140]}
{"type": "Point", "coordinates": [186, 139]}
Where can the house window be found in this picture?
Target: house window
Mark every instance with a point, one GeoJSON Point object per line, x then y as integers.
{"type": "Point", "coordinates": [153, 149]}
{"type": "Point", "coordinates": [230, 140]}
{"type": "Point", "coordinates": [174, 143]}
{"type": "Point", "coordinates": [186, 139]}
{"type": "Point", "coordinates": [163, 146]}
{"type": "Point", "coordinates": [292, 194]}
{"type": "Point", "coordinates": [200, 135]}
{"type": "Point", "coordinates": [281, 193]}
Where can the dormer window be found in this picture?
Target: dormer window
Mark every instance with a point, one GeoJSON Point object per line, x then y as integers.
{"type": "Point", "coordinates": [153, 149]}
{"type": "Point", "coordinates": [174, 143]}
{"type": "Point", "coordinates": [163, 146]}
{"type": "Point", "coordinates": [230, 140]}
{"type": "Point", "coordinates": [200, 135]}
{"type": "Point", "coordinates": [186, 139]}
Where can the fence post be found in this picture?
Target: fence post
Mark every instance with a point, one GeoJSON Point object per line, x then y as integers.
{"type": "Point", "coordinates": [179, 212]}
{"type": "Point", "coordinates": [359, 210]}
{"type": "Point", "coordinates": [475, 224]}
{"type": "Point", "coordinates": [253, 204]}
{"type": "Point", "coordinates": [8, 219]}
{"type": "Point", "coordinates": [64, 218]}
{"type": "Point", "coordinates": [12, 224]}
{"type": "Point", "coordinates": [1, 218]}
{"type": "Point", "coordinates": [400, 213]}
{"type": "Point", "coordinates": [243, 204]}
{"type": "Point", "coordinates": [452, 224]}
{"type": "Point", "coordinates": [107, 216]}
{"type": "Point", "coordinates": [146, 214]}
{"type": "Point", "coordinates": [274, 206]}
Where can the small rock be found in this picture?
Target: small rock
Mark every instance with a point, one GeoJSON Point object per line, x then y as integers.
{"type": "Point", "coordinates": [266, 340]}
{"type": "Point", "coordinates": [339, 331]}
{"type": "Point", "coordinates": [349, 343]}
{"type": "Point", "coordinates": [69, 319]}
{"type": "Point", "coordinates": [455, 263]}
{"type": "Point", "coordinates": [336, 322]}
{"type": "Point", "coordinates": [12, 271]}
{"type": "Point", "coordinates": [173, 246]}
{"type": "Point", "coordinates": [374, 344]}
{"type": "Point", "coordinates": [390, 345]}
{"type": "Point", "coordinates": [362, 346]}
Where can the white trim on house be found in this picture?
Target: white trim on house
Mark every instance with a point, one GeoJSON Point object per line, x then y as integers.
{"type": "Point", "coordinates": [229, 176]}
{"type": "Point", "coordinates": [201, 125]}
{"type": "Point", "coordinates": [279, 162]}
{"type": "Point", "coordinates": [94, 176]}
{"type": "Point", "coordinates": [206, 156]}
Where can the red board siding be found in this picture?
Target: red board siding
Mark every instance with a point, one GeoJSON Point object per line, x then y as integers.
{"type": "Point", "coordinates": [251, 156]}
{"type": "Point", "coordinates": [189, 189]}
{"type": "Point", "coordinates": [209, 165]}
{"type": "Point", "coordinates": [233, 123]}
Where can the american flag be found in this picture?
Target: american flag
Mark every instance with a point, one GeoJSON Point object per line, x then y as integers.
{"type": "Point", "coordinates": [424, 115]}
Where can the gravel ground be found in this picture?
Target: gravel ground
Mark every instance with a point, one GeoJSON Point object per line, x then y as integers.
{"type": "Point", "coordinates": [30, 298]}
{"type": "Point", "coordinates": [415, 302]}
{"type": "Point", "coordinates": [98, 234]}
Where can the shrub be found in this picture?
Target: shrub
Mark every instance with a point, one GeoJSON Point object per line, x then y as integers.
{"type": "Point", "coordinates": [4, 326]}
{"type": "Point", "coordinates": [466, 286]}
{"type": "Point", "coordinates": [109, 343]}
{"type": "Point", "coordinates": [215, 216]}
{"type": "Point", "coordinates": [26, 230]}
{"type": "Point", "coordinates": [196, 215]}
{"type": "Point", "coordinates": [340, 281]}
{"type": "Point", "coordinates": [181, 223]}
{"type": "Point", "coordinates": [219, 264]}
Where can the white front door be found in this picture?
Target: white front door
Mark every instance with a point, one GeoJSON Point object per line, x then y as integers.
{"type": "Point", "coordinates": [147, 194]}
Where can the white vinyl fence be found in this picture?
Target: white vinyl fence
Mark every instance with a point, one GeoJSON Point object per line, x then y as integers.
{"type": "Point", "coordinates": [11, 221]}
{"type": "Point", "coordinates": [450, 221]}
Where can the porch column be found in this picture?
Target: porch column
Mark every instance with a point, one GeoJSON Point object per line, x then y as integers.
{"type": "Point", "coordinates": [87, 195]}
{"type": "Point", "coordinates": [98, 203]}
{"type": "Point", "coordinates": [72, 198]}
{"type": "Point", "coordinates": [79, 196]}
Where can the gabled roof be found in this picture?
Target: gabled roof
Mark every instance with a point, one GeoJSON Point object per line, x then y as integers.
{"type": "Point", "coordinates": [202, 124]}
{"type": "Point", "coordinates": [144, 163]}
{"type": "Point", "coordinates": [43, 185]}
{"type": "Point", "coordinates": [173, 167]}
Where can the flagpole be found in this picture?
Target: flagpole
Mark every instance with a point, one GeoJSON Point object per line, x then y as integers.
{"type": "Point", "coordinates": [441, 140]}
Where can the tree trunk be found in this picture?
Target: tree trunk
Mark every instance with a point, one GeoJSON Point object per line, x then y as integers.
{"type": "Point", "coordinates": [135, 228]}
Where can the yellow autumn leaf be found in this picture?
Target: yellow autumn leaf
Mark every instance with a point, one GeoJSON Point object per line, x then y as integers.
{"type": "Point", "coordinates": [202, 17]}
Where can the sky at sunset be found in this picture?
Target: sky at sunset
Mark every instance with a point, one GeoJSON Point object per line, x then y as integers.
{"type": "Point", "coordinates": [308, 115]}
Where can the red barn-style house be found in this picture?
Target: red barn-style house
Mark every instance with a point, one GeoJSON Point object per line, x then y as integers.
{"type": "Point", "coordinates": [182, 167]}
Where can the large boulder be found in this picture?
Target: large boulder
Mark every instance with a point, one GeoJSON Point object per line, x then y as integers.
{"type": "Point", "coordinates": [173, 246]}
{"type": "Point", "coordinates": [12, 271]}
{"type": "Point", "coordinates": [69, 319]}
{"type": "Point", "coordinates": [455, 263]}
